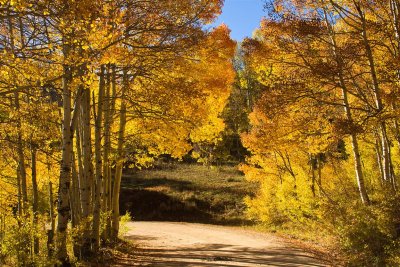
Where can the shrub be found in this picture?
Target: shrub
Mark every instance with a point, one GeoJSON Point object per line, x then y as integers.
{"type": "Point", "coordinates": [369, 235]}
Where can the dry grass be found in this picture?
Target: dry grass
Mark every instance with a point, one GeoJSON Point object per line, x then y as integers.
{"type": "Point", "coordinates": [186, 192]}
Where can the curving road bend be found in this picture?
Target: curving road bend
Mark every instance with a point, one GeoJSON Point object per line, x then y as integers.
{"type": "Point", "coordinates": [170, 244]}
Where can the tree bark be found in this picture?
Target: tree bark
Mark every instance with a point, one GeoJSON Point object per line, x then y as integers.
{"type": "Point", "coordinates": [99, 164]}
{"type": "Point", "coordinates": [50, 232]}
{"type": "Point", "coordinates": [313, 163]}
{"type": "Point", "coordinates": [120, 158]}
{"type": "Point", "coordinates": [109, 110]}
{"type": "Point", "coordinates": [21, 159]}
{"type": "Point", "coordinates": [106, 153]}
{"type": "Point", "coordinates": [86, 179]}
{"type": "Point", "coordinates": [35, 198]}
{"type": "Point", "coordinates": [378, 150]}
{"type": "Point", "coordinates": [65, 172]}
{"type": "Point", "coordinates": [386, 157]}
{"type": "Point", "coordinates": [347, 110]}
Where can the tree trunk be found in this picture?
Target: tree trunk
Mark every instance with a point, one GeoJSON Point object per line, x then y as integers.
{"type": "Point", "coordinates": [386, 158]}
{"type": "Point", "coordinates": [110, 181]}
{"type": "Point", "coordinates": [50, 233]}
{"type": "Point", "coordinates": [35, 199]}
{"type": "Point", "coordinates": [395, 11]}
{"type": "Point", "coordinates": [378, 150]}
{"type": "Point", "coordinates": [86, 181]}
{"type": "Point", "coordinates": [106, 153]}
{"type": "Point", "coordinates": [109, 110]}
{"type": "Point", "coordinates": [354, 142]}
{"type": "Point", "coordinates": [319, 172]}
{"type": "Point", "coordinates": [75, 199]}
{"type": "Point", "coordinates": [359, 172]}
{"type": "Point", "coordinates": [313, 163]}
{"type": "Point", "coordinates": [120, 159]}
{"type": "Point", "coordinates": [65, 172]}
{"type": "Point", "coordinates": [99, 165]}
{"type": "Point", "coordinates": [21, 158]}
{"type": "Point", "coordinates": [20, 147]}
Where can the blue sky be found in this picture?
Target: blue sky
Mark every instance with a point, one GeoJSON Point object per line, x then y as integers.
{"type": "Point", "coordinates": [241, 16]}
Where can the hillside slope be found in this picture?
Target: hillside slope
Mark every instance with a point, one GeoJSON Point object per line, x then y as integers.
{"type": "Point", "coordinates": [186, 192]}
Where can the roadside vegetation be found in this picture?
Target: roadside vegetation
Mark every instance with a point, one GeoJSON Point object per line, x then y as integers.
{"type": "Point", "coordinates": [324, 136]}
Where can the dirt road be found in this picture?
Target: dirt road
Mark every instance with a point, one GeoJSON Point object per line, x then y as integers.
{"type": "Point", "coordinates": [170, 244]}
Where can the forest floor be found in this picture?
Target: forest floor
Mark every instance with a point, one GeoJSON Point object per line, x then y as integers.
{"type": "Point", "coordinates": [194, 215]}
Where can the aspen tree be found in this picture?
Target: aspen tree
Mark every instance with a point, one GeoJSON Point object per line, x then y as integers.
{"type": "Point", "coordinates": [347, 109]}
{"type": "Point", "coordinates": [120, 157]}
{"type": "Point", "coordinates": [63, 206]}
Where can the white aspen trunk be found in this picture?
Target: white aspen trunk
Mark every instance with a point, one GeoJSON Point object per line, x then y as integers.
{"type": "Point", "coordinates": [20, 205]}
{"type": "Point", "coordinates": [65, 173]}
{"type": "Point", "coordinates": [347, 110]}
{"type": "Point", "coordinates": [319, 172]}
{"type": "Point", "coordinates": [75, 126]}
{"type": "Point", "coordinates": [75, 199]}
{"type": "Point", "coordinates": [21, 158]}
{"type": "Point", "coordinates": [378, 150]}
{"type": "Point", "coordinates": [99, 167]}
{"type": "Point", "coordinates": [87, 174]}
{"type": "Point", "coordinates": [110, 181]}
{"type": "Point", "coordinates": [395, 11]}
{"type": "Point", "coordinates": [359, 172]}
{"type": "Point", "coordinates": [106, 148]}
{"type": "Point", "coordinates": [84, 154]}
{"type": "Point", "coordinates": [35, 197]}
{"type": "Point", "coordinates": [313, 170]}
{"type": "Point", "coordinates": [78, 181]}
{"type": "Point", "coordinates": [120, 158]}
{"type": "Point", "coordinates": [50, 233]}
{"type": "Point", "coordinates": [386, 158]}
{"type": "Point", "coordinates": [20, 148]}
{"type": "Point", "coordinates": [79, 168]}
{"type": "Point", "coordinates": [75, 206]}
{"type": "Point", "coordinates": [108, 113]}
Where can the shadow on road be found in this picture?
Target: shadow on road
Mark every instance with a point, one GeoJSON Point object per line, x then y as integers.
{"type": "Point", "coordinates": [222, 255]}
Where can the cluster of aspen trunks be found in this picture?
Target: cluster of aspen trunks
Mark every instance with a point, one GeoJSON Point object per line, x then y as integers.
{"type": "Point", "coordinates": [74, 64]}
